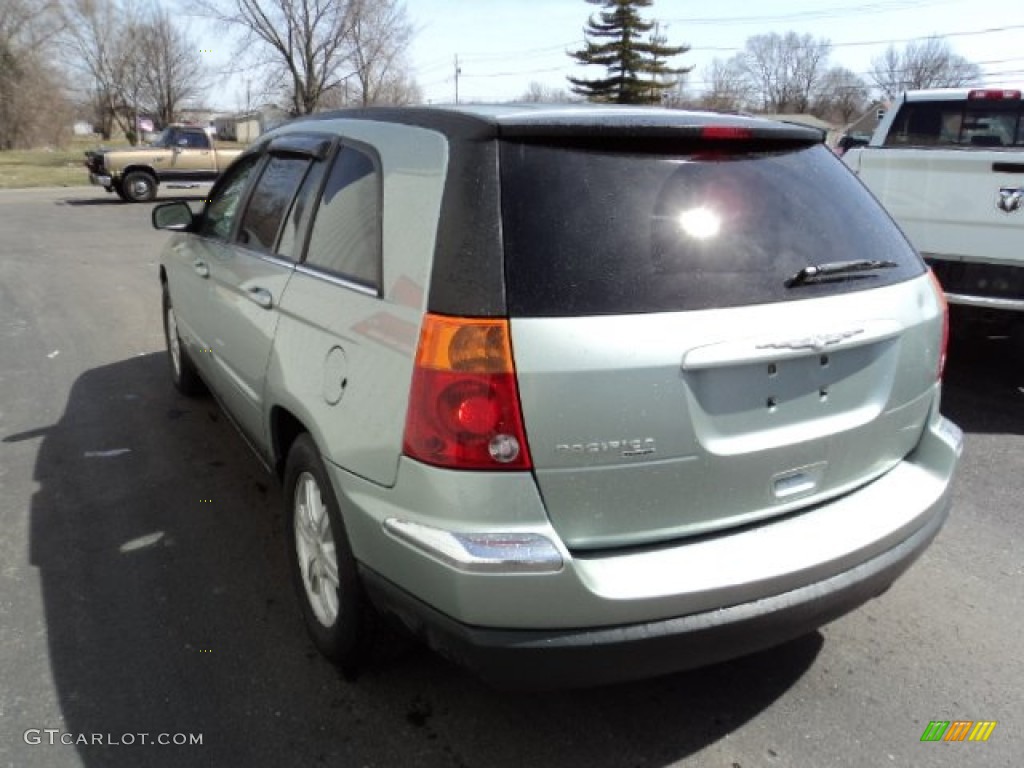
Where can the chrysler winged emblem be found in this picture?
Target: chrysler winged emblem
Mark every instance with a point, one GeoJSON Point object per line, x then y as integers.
{"type": "Point", "coordinates": [1010, 199]}
{"type": "Point", "coordinates": [818, 341]}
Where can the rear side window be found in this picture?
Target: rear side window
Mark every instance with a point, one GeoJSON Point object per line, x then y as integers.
{"type": "Point", "coordinates": [346, 236]}
{"type": "Point", "coordinates": [290, 244]}
{"type": "Point", "coordinates": [270, 200]}
{"type": "Point", "coordinates": [959, 123]}
{"type": "Point", "coordinates": [594, 232]}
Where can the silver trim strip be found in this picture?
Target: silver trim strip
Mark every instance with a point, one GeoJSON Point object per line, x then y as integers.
{"type": "Point", "coordinates": [352, 286]}
{"type": "Point", "coordinates": [271, 258]}
{"type": "Point", "coordinates": [955, 258]}
{"type": "Point", "coordinates": [987, 302]}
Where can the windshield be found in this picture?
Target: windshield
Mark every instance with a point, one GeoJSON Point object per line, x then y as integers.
{"type": "Point", "coordinates": [598, 232]}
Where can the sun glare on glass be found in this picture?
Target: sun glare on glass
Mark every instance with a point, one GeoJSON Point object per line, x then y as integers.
{"type": "Point", "coordinates": [700, 223]}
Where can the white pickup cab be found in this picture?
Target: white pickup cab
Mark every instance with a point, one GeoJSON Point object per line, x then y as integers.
{"type": "Point", "coordinates": [948, 165]}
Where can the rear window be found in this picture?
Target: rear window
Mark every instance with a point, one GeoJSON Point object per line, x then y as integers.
{"type": "Point", "coordinates": [606, 232]}
{"type": "Point", "coordinates": [960, 123]}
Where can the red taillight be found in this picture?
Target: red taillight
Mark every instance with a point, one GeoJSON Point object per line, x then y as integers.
{"type": "Point", "coordinates": [945, 322]}
{"type": "Point", "coordinates": [725, 132]}
{"type": "Point", "coordinates": [992, 94]}
{"type": "Point", "coordinates": [464, 410]}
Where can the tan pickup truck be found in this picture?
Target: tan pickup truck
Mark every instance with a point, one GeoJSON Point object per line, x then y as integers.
{"type": "Point", "coordinates": [182, 154]}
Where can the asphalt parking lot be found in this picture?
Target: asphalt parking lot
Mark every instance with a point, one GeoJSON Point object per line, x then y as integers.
{"type": "Point", "coordinates": [143, 582]}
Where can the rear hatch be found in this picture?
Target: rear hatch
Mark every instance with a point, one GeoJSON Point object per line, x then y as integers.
{"type": "Point", "coordinates": [671, 383]}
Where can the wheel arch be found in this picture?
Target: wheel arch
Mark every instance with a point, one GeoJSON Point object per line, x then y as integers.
{"type": "Point", "coordinates": [147, 169]}
{"type": "Point", "coordinates": [285, 428]}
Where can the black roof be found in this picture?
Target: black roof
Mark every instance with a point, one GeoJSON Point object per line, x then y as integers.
{"type": "Point", "coordinates": [479, 121]}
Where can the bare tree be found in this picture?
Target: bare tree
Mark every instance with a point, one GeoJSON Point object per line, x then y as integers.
{"type": "Point", "coordinates": [307, 40]}
{"type": "Point", "coordinates": [174, 73]}
{"type": "Point", "coordinates": [101, 39]}
{"type": "Point", "coordinates": [784, 70]}
{"type": "Point", "coordinates": [727, 87]}
{"type": "Point", "coordinates": [538, 93]}
{"type": "Point", "coordinates": [33, 104]}
{"type": "Point", "coordinates": [318, 46]}
{"type": "Point", "coordinates": [841, 95]}
{"type": "Point", "coordinates": [380, 34]}
{"type": "Point", "coordinates": [927, 64]}
{"type": "Point", "coordinates": [679, 96]}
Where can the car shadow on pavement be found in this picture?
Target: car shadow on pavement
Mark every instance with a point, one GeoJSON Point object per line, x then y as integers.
{"type": "Point", "coordinates": [169, 612]}
{"type": "Point", "coordinates": [983, 388]}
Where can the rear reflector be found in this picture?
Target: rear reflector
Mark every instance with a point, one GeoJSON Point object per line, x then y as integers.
{"type": "Point", "coordinates": [481, 552]}
{"type": "Point", "coordinates": [993, 94]}
{"type": "Point", "coordinates": [725, 132]}
{"type": "Point", "coordinates": [945, 322]}
{"type": "Point", "coordinates": [464, 410]}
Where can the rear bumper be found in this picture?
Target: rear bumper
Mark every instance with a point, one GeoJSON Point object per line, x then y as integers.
{"type": "Point", "coordinates": [547, 659]}
{"type": "Point", "coordinates": [979, 284]}
{"type": "Point", "coordinates": [608, 617]}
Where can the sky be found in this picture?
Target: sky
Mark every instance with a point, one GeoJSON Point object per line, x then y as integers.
{"type": "Point", "coordinates": [504, 45]}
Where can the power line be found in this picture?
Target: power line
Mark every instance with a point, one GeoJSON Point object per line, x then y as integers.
{"type": "Point", "coordinates": [521, 54]}
{"type": "Point", "coordinates": [850, 44]}
{"type": "Point", "coordinates": [516, 72]}
{"type": "Point", "coordinates": [818, 14]}
{"type": "Point", "coordinates": [891, 41]}
{"type": "Point", "coordinates": [988, 31]}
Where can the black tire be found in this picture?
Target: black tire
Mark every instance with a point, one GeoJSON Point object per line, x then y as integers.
{"type": "Point", "coordinates": [183, 373]}
{"type": "Point", "coordinates": [116, 187]}
{"type": "Point", "coordinates": [138, 187]}
{"type": "Point", "coordinates": [337, 615]}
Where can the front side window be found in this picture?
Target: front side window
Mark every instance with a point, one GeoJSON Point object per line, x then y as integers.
{"type": "Point", "coordinates": [194, 140]}
{"type": "Point", "coordinates": [346, 235]}
{"type": "Point", "coordinates": [222, 210]}
{"type": "Point", "coordinates": [270, 200]}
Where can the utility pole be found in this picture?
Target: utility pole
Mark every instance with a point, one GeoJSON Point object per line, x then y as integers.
{"type": "Point", "coordinates": [458, 71]}
{"type": "Point", "coordinates": [656, 40]}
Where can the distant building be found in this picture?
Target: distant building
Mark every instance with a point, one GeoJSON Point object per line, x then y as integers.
{"type": "Point", "coordinates": [866, 123]}
{"type": "Point", "coordinates": [831, 131]}
{"type": "Point", "coordinates": [247, 126]}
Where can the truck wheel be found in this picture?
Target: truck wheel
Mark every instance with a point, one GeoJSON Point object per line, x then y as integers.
{"type": "Point", "coordinates": [337, 615]}
{"type": "Point", "coordinates": [139, 187]}
{"type": "Point", "coordinates": [116, 187]}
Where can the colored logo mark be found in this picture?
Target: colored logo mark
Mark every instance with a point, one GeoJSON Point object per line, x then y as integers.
{"type": "Point", "coordinates": [959, 730]}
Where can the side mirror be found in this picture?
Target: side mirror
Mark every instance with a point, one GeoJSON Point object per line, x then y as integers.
{"type": "Point", "coordinates": [176, 216]}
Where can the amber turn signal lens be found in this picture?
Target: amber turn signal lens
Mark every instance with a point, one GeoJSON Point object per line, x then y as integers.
{"type": "Point", "coordinates": [464, 410]}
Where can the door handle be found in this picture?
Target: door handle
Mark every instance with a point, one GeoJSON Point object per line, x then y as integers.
{"type": "Point", "coordinates": [261, 296]}
{"type": "Point", "coordinates": [201, 269]}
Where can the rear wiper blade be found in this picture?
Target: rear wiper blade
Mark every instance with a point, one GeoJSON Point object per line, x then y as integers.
{"type": "Point", "coordinates": [836, 268]}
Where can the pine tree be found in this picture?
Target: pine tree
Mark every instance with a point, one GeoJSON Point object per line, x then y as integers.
{"type": "Point", "coordinates": [635, 60]}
